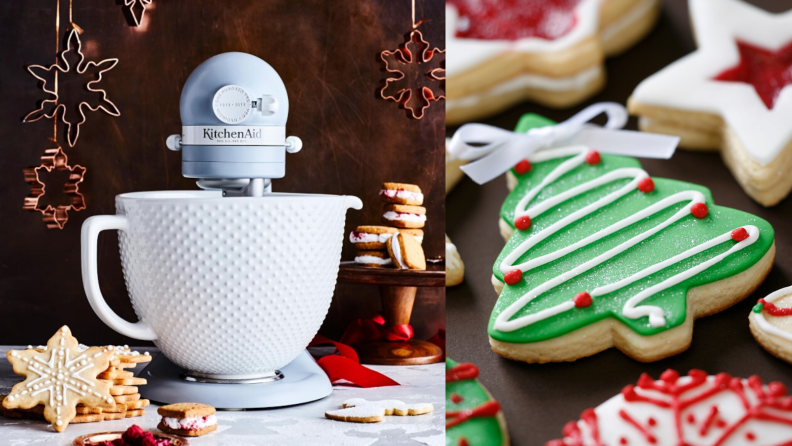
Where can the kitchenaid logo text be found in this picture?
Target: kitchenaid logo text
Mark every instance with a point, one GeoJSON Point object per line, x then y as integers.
{"type": "Point", "coordinates": [212, 134]}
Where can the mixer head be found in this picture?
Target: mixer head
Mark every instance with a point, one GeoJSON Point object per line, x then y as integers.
{"type": "Point", "coordinates": [233, 110]}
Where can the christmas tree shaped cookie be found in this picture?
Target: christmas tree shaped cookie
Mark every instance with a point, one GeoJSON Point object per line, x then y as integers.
{"type": "Point", "coordinates": [601, 254]}
{"type": "Point", "coordinates": [473, 417]}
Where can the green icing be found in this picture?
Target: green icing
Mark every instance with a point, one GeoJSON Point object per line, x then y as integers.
{"type": "Point", "coordinates": [758, 308]}
{"type": "Point", "coordinates": [483, 431]}
{"type": "Point", "coordinates": [680, 236]}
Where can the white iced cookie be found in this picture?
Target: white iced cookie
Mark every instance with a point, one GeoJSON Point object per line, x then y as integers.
{"type": "Point", "coordinates": [359, 410]}
{"type": "Point", "coordinates": [771, 323]}
{"type": "Point", "coordinates": [730, 95]}
{"type": "Point", "coordinates": [455, 268]}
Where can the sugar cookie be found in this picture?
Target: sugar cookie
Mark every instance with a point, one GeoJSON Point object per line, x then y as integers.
{"type": "Point", "coordinates": [473, 417]}
{"type": "Point", "coordinates": [187, 419]}
{"type": "Point", "coordinates": [401, 193]}
{"type": "Point", "coordinates": [406, 253]}
{"type": "Point", "coordinates": [358, 410]}
{"type": "Point", "coordinates": [455, 269]}
{"type": "Point", "coordinates": [771, 323]}
{"type": "Point", "coordinates": [404, 216]}
{"type": "Point", "coordinates": [371, 238]}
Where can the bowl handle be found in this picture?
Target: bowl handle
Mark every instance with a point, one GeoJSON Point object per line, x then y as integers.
{"type": "Point", "coordinates": [89, 243]}
{"type": "Point", "coordinates": [353, 202]}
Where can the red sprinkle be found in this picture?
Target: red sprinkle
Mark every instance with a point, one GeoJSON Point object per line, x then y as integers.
{"type": "Point", "coordinates": [691, 419]}
{"type": "Point", "coordinates": [646, 185]}
{"type": "Point", "coordinates": [522, 223]}
{"type": "Point", "coordinates": [593, 157]}
{"type": "Point", "coordinates": [739, 234]}
{"type": "Point", "coordinates": [720, 423]}
{"type": "Point", "coordinates": [699, 210]}
{"type": "Point", "coordinates": [456, 398]}
{"type": "Point", "coordinates": [750, 436]}
{"type": "Point", "coordinates": [463, 442]}
{"type": "Point", "coordinates": [513, 277]}
{"type": "Point", "coordinates": [523, 167]}
{"type": "Point", "coordinates": [623, 440]}
{"type": "Point", "coordinates": [652, 422]}
{"type": "Point", "coordinates": [582, 299]}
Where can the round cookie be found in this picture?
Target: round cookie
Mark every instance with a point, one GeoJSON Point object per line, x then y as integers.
{"type": "Point", "coordinates": [473, 417]}
{"type": "Point", "coordinates": [417, 234]}
{"type": "Point", "coordinates": [368, 238]}
{"type": "Point", "coordinates": [455, 268]}
{"type": "Point", "coordinates": [615, 258]}
{"type": "Point", "coordinates": [404, 216]}
{"type": "Point", "coordinates": [771, 323]}
{"type": "Point", "coordinates": [696, 409]}
{"type": "Point", "coordinates": [406, 253]}
{"type": "Point", "coordinates": [730, 95]}
{"type": "Point", "coordinates": [401, 193]}
{"type": "Point", "coordinates": [501, 53]}
{"type": "Point", "coordinates": [376, 259]}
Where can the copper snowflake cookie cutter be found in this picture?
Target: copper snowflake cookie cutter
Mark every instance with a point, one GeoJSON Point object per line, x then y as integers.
{"type": "Point", "coordinates": [55, 217]}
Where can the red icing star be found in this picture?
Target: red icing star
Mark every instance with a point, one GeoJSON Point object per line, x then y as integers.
{"type": "Point", "coordinates": [55, 217]}
{"type": "Point", "coordinates": [768, 71]}
{"type": "Point", "coordinates": [514, 19]}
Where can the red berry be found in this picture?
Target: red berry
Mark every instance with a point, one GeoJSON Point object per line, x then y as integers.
{"type": "Point", "coordinates": [522, 223]}
{"type": "Point", "coordinates": [593, 157]}
{"type": "Point", "coordinates": [699, 210]}
{"type": "Point", "coordinates": [582, 299]}
{"type": "Point", "coordinates": [513, 277]}
{"type": "Point", "coordinates": [739, 234]}
{"type": "Point", "coordinates": [523, 167]}
{"type": "Point", "coordinates": [646, 185]}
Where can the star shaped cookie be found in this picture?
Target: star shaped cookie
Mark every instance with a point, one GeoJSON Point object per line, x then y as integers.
{"type": "Point", "coordinates": [60, 378]}
{"type": "Point", "coordinates": [732, 94]}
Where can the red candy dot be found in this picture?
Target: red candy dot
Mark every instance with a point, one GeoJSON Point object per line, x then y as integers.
{"type": "Point", "coordinates": [463, 442]}
{"type": "Point", "coordinates": [582, 299]}
{"type": "Point", "coordinates": [691, 419]}
{"type": "Point", "coordinates": [623, 440]}
{"type": "Point", "coordinates": [652, 422]}
{"type": "Point", "coordinates": [750, 436]}
{"type": "Point", "coordinates": [456, 398]}
{"type": "Point", "coordinates": [739, 234]}
{"type": "Point", "coordinates": [593, 157]}
{"type": "Point", "coordinates": [523, 167]}
{"type": "Point", "coordinates": [699, 210]}
{"type": "Point", "coordinates": [522, 223]}
{"type": "Point", "coordinates": [720, 423]}
{"type": "Point", "coordinates": [646, 185]}
{"type": "Point", "coordinates": [513, 277]}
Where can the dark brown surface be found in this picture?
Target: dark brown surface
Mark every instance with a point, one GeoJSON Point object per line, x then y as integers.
{"type": "Point", "coordinates": [432, 276]}
{"type": "Point", "coordinates": [539, 399]}
{"type": "Point", "coordinates": [326, 53]}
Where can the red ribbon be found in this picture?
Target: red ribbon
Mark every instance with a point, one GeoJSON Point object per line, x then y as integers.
{"type": "Point", "coordinates": [344, 364]}
{"type": "Point", "coordinates": [438, 339]}
{"type": "Point", "coordinates": [374, 329]}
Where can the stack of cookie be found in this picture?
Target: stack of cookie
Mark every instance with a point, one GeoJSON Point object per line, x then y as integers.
{"type": "Point", "coordinates": [123, 388]}
{"type": "Point", "coordinates": [399, 243]}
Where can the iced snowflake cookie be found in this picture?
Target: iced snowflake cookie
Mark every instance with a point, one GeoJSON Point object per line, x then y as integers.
{"type": "Point", "coordinates": [473, 417]}
{"type": "Point", "coordinates": [771, 323]}
{"type": "Point", "coordinates": [601, 254]}
{"type": "Point", "coordinates": [59, 378]}
{"type": "Point", "coordinates": [730, 95]}
{"type": "Point", "coordinates": [695, 409]}
{"type": "Point", "coordinates": [455, 269]}
{"type": "Point", "coordinates": [551, 52]}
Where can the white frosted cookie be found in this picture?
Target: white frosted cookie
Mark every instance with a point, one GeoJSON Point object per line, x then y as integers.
{"type": "Point", "coordinates": [730, 95]}
{"type": "Point", "coordinates": [697, 409]}
{"type": "Point", "coordinates": [501, 52]}
{"type": "Point", "coordinates": [455, 268]}
{"type": "Point", "coordinates": [771, 323]}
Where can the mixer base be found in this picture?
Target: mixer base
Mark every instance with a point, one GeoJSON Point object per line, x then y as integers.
{"type": "Point", "coordinates": [303, 381]}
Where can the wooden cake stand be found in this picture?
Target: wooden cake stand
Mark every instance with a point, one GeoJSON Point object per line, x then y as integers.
{"type": "Point", "coordinates": [397, 293]}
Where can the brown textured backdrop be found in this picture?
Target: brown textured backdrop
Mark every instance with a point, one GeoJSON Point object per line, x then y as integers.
{"type": "Point", "coordinates": [538, 399]}
{"type": "Point", "coordinates": [326, 53]}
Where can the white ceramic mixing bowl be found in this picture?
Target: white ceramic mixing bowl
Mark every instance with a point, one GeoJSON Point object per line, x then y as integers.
{"type": "Point", "coordinates": [229, 288]}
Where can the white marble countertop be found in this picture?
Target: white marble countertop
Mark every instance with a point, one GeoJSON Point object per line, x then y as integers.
{"type": "Point", "coordinates": [297, 425]}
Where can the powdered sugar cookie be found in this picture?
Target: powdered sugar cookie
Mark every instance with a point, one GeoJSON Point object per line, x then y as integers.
{"type": "Point", "coordinates": [404, 216]}
{"type": "Point", "coordinates": [373, 258]}
{"type": "Point", "coordinates": [614, 257]}
{"type": "Point", "coordinates": [369, 238]}
{"type": "Point", "coordinates": [401, 193]}
{"type": "Point", "coordinates": [406, 253]}
{"type": "Point", "coordinates": [696, 409]}
{"type": "Point", "coordinates": [730, 95]}
{"type": "Point", "coordinates": [551, 52]}
{"type": "Point", "coordinates": [359, 410]}
{"type": "Point", "coordinates": [473, 417]}
{"type": "Point", "coordinates": [455, 269]}
{"type": "Point", "coordinates": [771, 323]}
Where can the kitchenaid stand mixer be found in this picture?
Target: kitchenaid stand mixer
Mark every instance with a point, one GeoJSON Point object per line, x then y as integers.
{"type": "Point", "coordinates": [216, 276]}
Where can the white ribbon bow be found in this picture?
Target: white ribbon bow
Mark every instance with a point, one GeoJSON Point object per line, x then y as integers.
{"type": "Point", "coordinates": [498, 150]}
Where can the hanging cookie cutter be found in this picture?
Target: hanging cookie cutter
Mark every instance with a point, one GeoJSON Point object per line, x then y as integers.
{"type": "Point", "coordinates": [403, 55]}
{"type": "Point", "coordinates": [81, 68]}
{"type": "Point", "coordinates": [55, 217]}
{"type": "Point", "coordinates": [130, 4]}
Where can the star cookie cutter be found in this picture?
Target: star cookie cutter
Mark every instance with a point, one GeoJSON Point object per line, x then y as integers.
{"type": "Point", "coordinates": [55, 217]}
{"type": "Point", "coordinates": [405, 56]}
{"type": "Point", "coordinates": [130, 4]}
{"type": "Point", "coordinates": [105, 104]}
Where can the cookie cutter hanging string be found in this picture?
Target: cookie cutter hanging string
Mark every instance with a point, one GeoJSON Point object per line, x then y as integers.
{"type": "Point", "coordinates": [415, 25]}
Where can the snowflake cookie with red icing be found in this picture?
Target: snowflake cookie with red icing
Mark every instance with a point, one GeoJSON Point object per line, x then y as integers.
{"type": "Point", "coordinates": [696, 409]}
{"type": "Point", "coordinates": [771, 323]}
{"type": "Point", "coordinates": [602, 254]}
{"type": "Point", "coordinates": [732, 94]}
{"type": "Point", "coordinates": [473, 417]}
{"type": "Point", "coordinates": [501, 52]}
